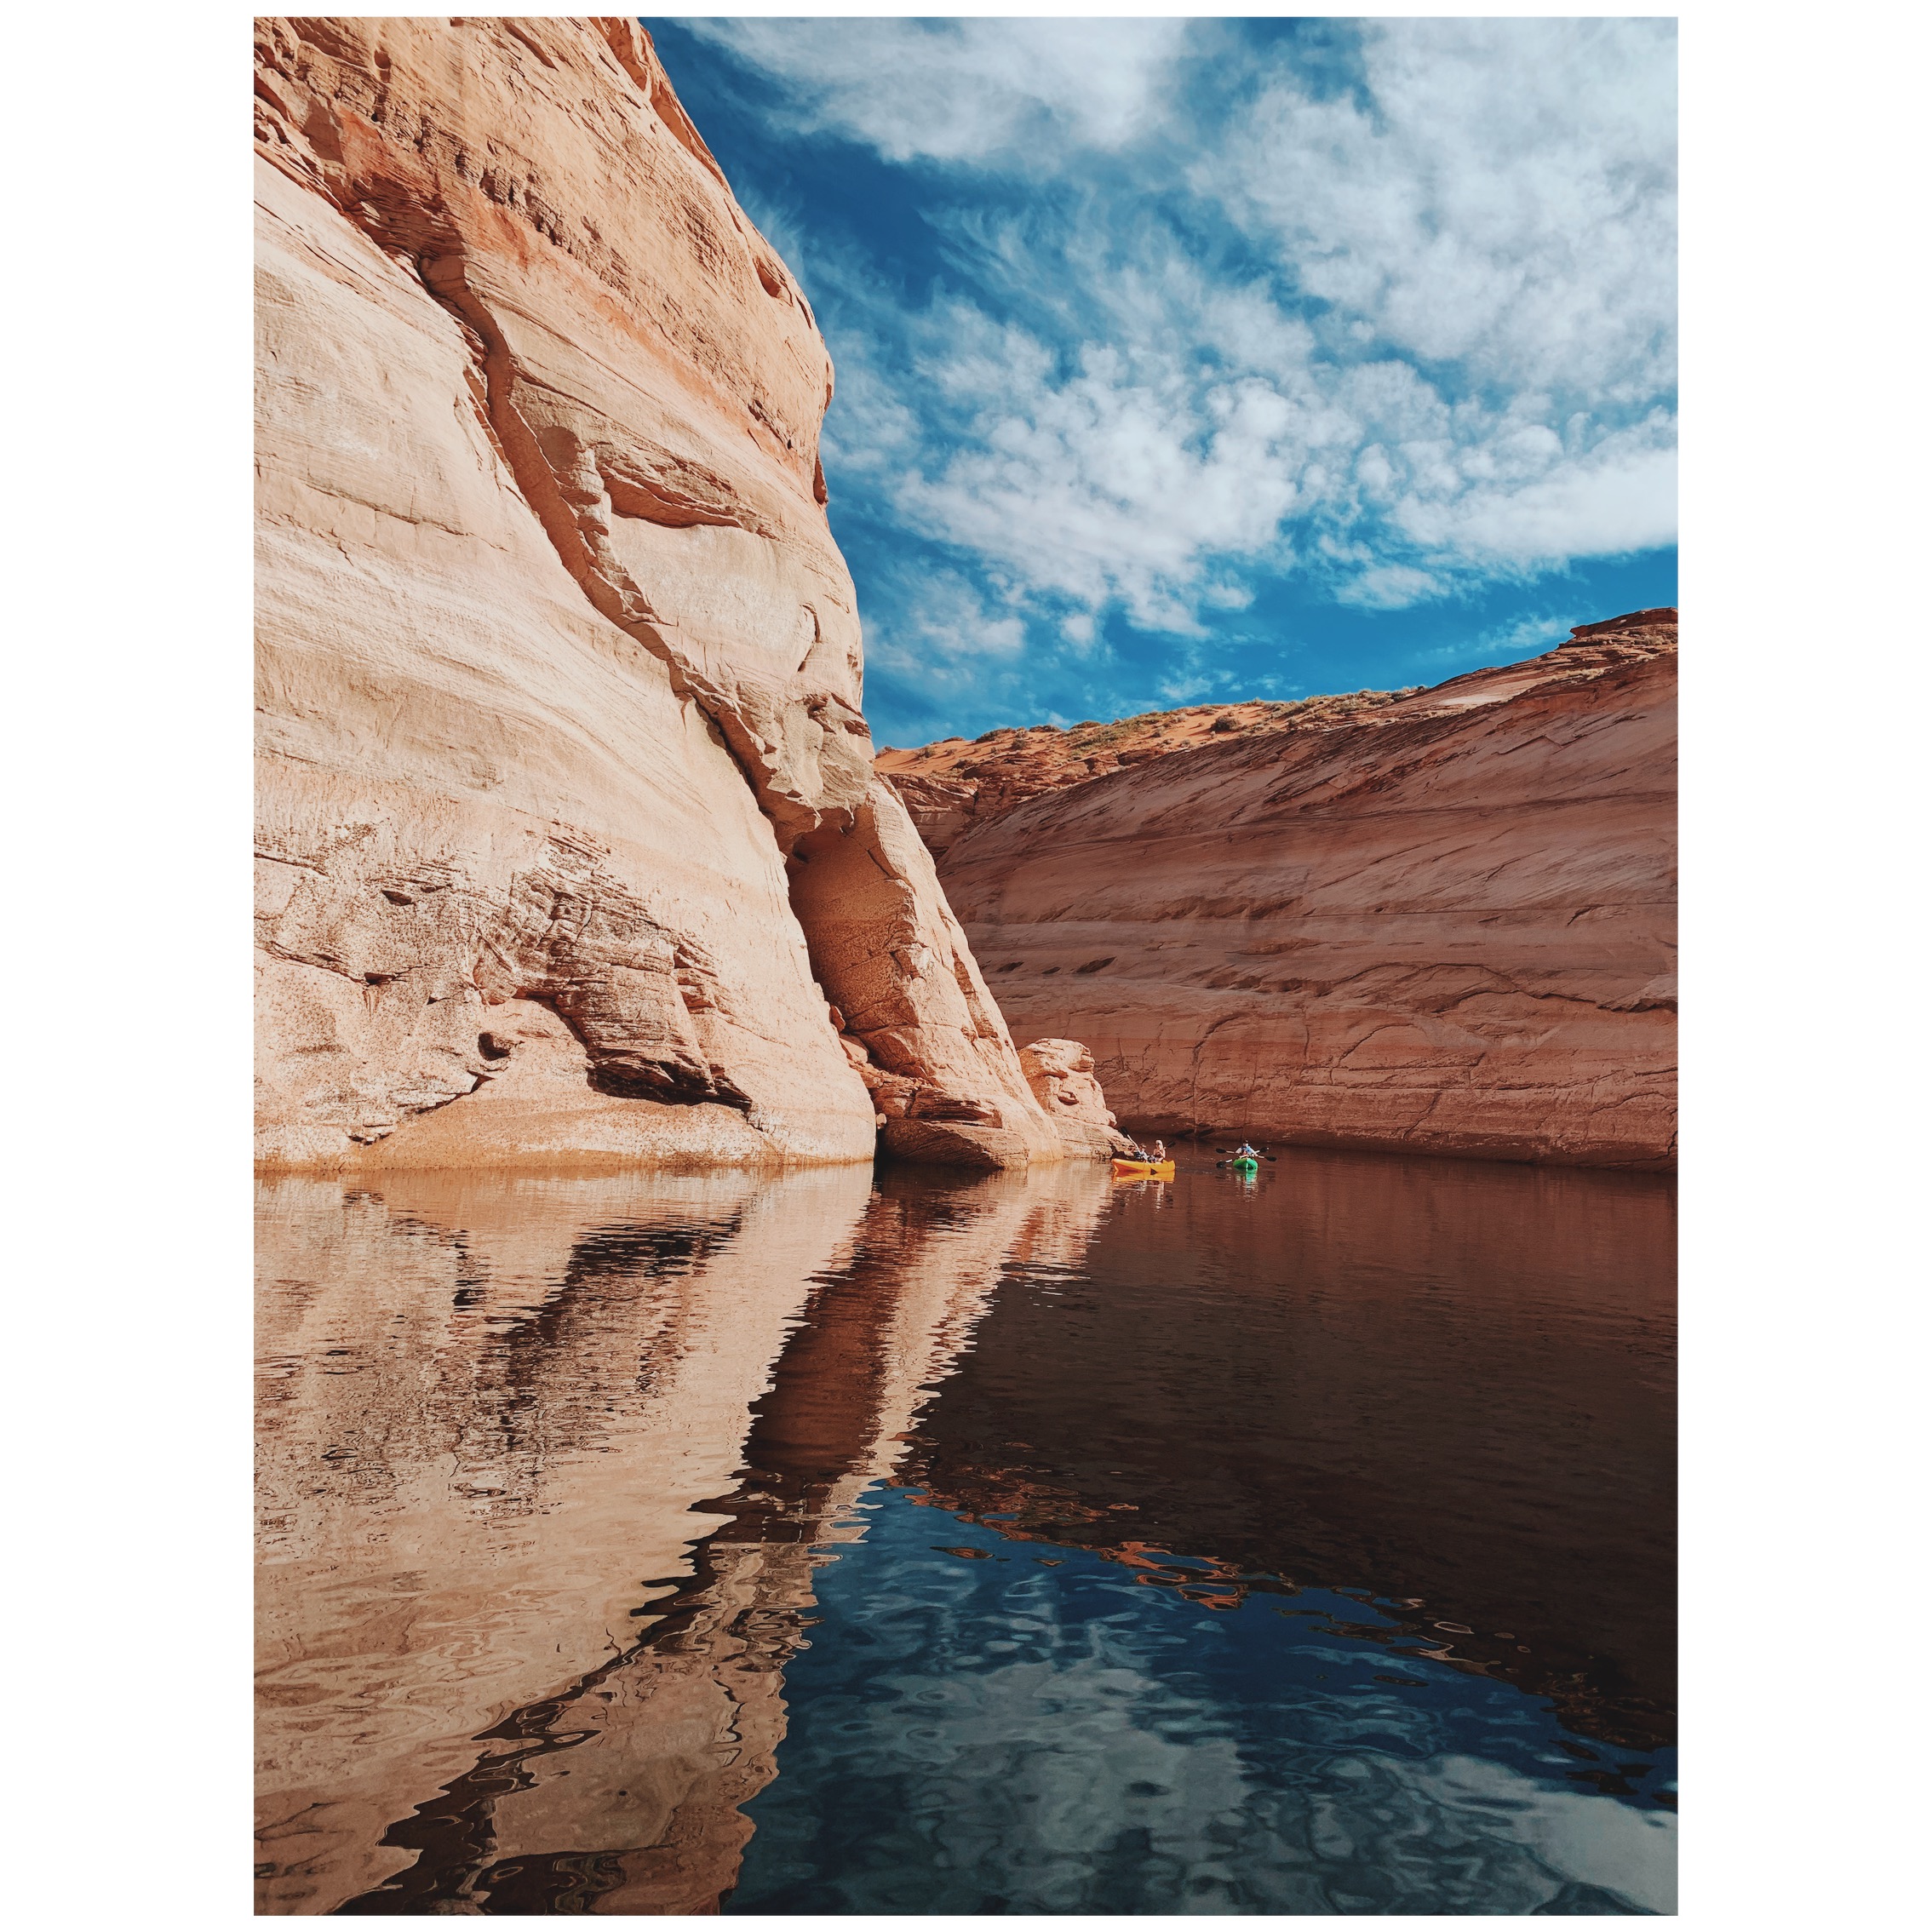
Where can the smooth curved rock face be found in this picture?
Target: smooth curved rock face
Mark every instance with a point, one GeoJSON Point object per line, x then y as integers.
{"type": "Point", "coordinates": [559, 664]}
{"type": "Point", "coordinates": [1444, 922]}
{"type": "Point", "coordinates": [938, 1056]}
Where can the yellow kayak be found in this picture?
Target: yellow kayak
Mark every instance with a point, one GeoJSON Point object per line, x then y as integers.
{"type": "Point", "coordinates": [1144, 1170]}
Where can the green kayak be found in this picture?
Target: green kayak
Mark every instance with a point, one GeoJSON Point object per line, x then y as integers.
{"type": "Point", "coordinates": [1243, 1165]}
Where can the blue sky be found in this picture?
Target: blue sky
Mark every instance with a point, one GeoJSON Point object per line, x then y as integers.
{"type": "Point", "coordinates": [1181, 361]}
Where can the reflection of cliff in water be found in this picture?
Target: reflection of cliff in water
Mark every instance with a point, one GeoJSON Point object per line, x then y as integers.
{"type": "Point", "coordinates": [548, 1468]}
{"type": "Point", "coordinates": [1446, 1382]}
{"type": "Point", "coordinates": [479, 1512]}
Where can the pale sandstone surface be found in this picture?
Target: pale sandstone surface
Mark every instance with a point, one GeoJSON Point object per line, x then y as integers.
{"type": "Point", "coordinates": [1444, 922]}
{"type": "Point", "coordinates": [535, 1422]}
{"type": "Point", "coordinates": [1061, 1074]}
{"type": "Point", "coordinates": [561, 673]}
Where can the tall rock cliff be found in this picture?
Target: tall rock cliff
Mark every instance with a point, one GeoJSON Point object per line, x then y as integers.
{"type": "Point", "coordinates": [569, 842]}
{"type": "Point", "coordinates": [1441, 920]}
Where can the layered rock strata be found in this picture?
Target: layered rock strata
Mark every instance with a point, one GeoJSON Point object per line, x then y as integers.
{"type": "Point", "coordinates": [1443, 921]}
{"type": "Point", "coordinates": [956, 784]}
{"type": "Point", "coordinates": [564, 778]}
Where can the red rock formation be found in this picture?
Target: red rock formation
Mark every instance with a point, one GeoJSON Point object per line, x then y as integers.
{"type": "Point", "coordinates": [951, 786]}
{"type": "Point", "coordinates": [1441, 920]}
{"type": "Point", "coordinates": [1061, 1074]}
{"type": "Point", "coordinates": [559, 665]}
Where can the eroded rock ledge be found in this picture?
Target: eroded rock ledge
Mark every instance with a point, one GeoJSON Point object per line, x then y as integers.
{"type": "Point", "coordinates": [1439, 920]}
{"type": "Point", "coordinates": [568, 832]}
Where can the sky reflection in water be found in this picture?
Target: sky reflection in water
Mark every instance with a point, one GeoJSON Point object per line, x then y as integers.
{"type": "Point", "coordinates": [985, 1732]}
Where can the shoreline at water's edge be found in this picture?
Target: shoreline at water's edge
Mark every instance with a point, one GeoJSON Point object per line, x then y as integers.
{"type": "Point", "coordinates": [590, 1164]}
{"type": "Point", "coordinates": [1510, 1153]}
{"type": "Point", "coordinates": [586, 1165]}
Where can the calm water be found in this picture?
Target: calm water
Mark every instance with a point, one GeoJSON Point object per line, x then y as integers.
{"type": "Point", "coordinates": [843, 1543]}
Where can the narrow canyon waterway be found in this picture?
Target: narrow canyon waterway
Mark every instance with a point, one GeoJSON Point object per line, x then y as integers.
{"type": "Point", "coordinates": [851, 1542]}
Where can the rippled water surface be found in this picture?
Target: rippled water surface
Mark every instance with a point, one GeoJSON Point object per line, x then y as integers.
{"type": "Point", "coordinates": [844, 1543]}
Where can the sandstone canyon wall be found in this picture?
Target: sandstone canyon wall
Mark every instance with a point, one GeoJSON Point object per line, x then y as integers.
{"type": "Point", "coordinates": [1440, 920]}
{"type": "Point", "coordinates": [570, 847]}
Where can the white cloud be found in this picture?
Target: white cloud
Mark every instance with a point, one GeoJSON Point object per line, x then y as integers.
{"type": "Point", "coordinates": [1102, 486]}
{"type": "Point", "coordinates": [1621, 496]}
{"type": "Point", "coordinates": [1405, 336]}
{"type": "Point", "coordinates": [1227, 596]}
{"type": "Point", "coordinates": [1389, 586]}
{"type": "Point", "coordinates": [1141, 475]}
{"type": "Point", "coordinates": [1504, 199]}
{"type": "Point", "coordinates": [964, 90]}
{"type": "Point", "coordinates": [943, 621]}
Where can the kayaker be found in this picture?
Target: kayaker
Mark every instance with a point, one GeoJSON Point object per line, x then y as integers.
{"type": "Point", "coordinates": [1244, 1152]}
{"type": "Point", "coordinates": [1160, 1151]}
